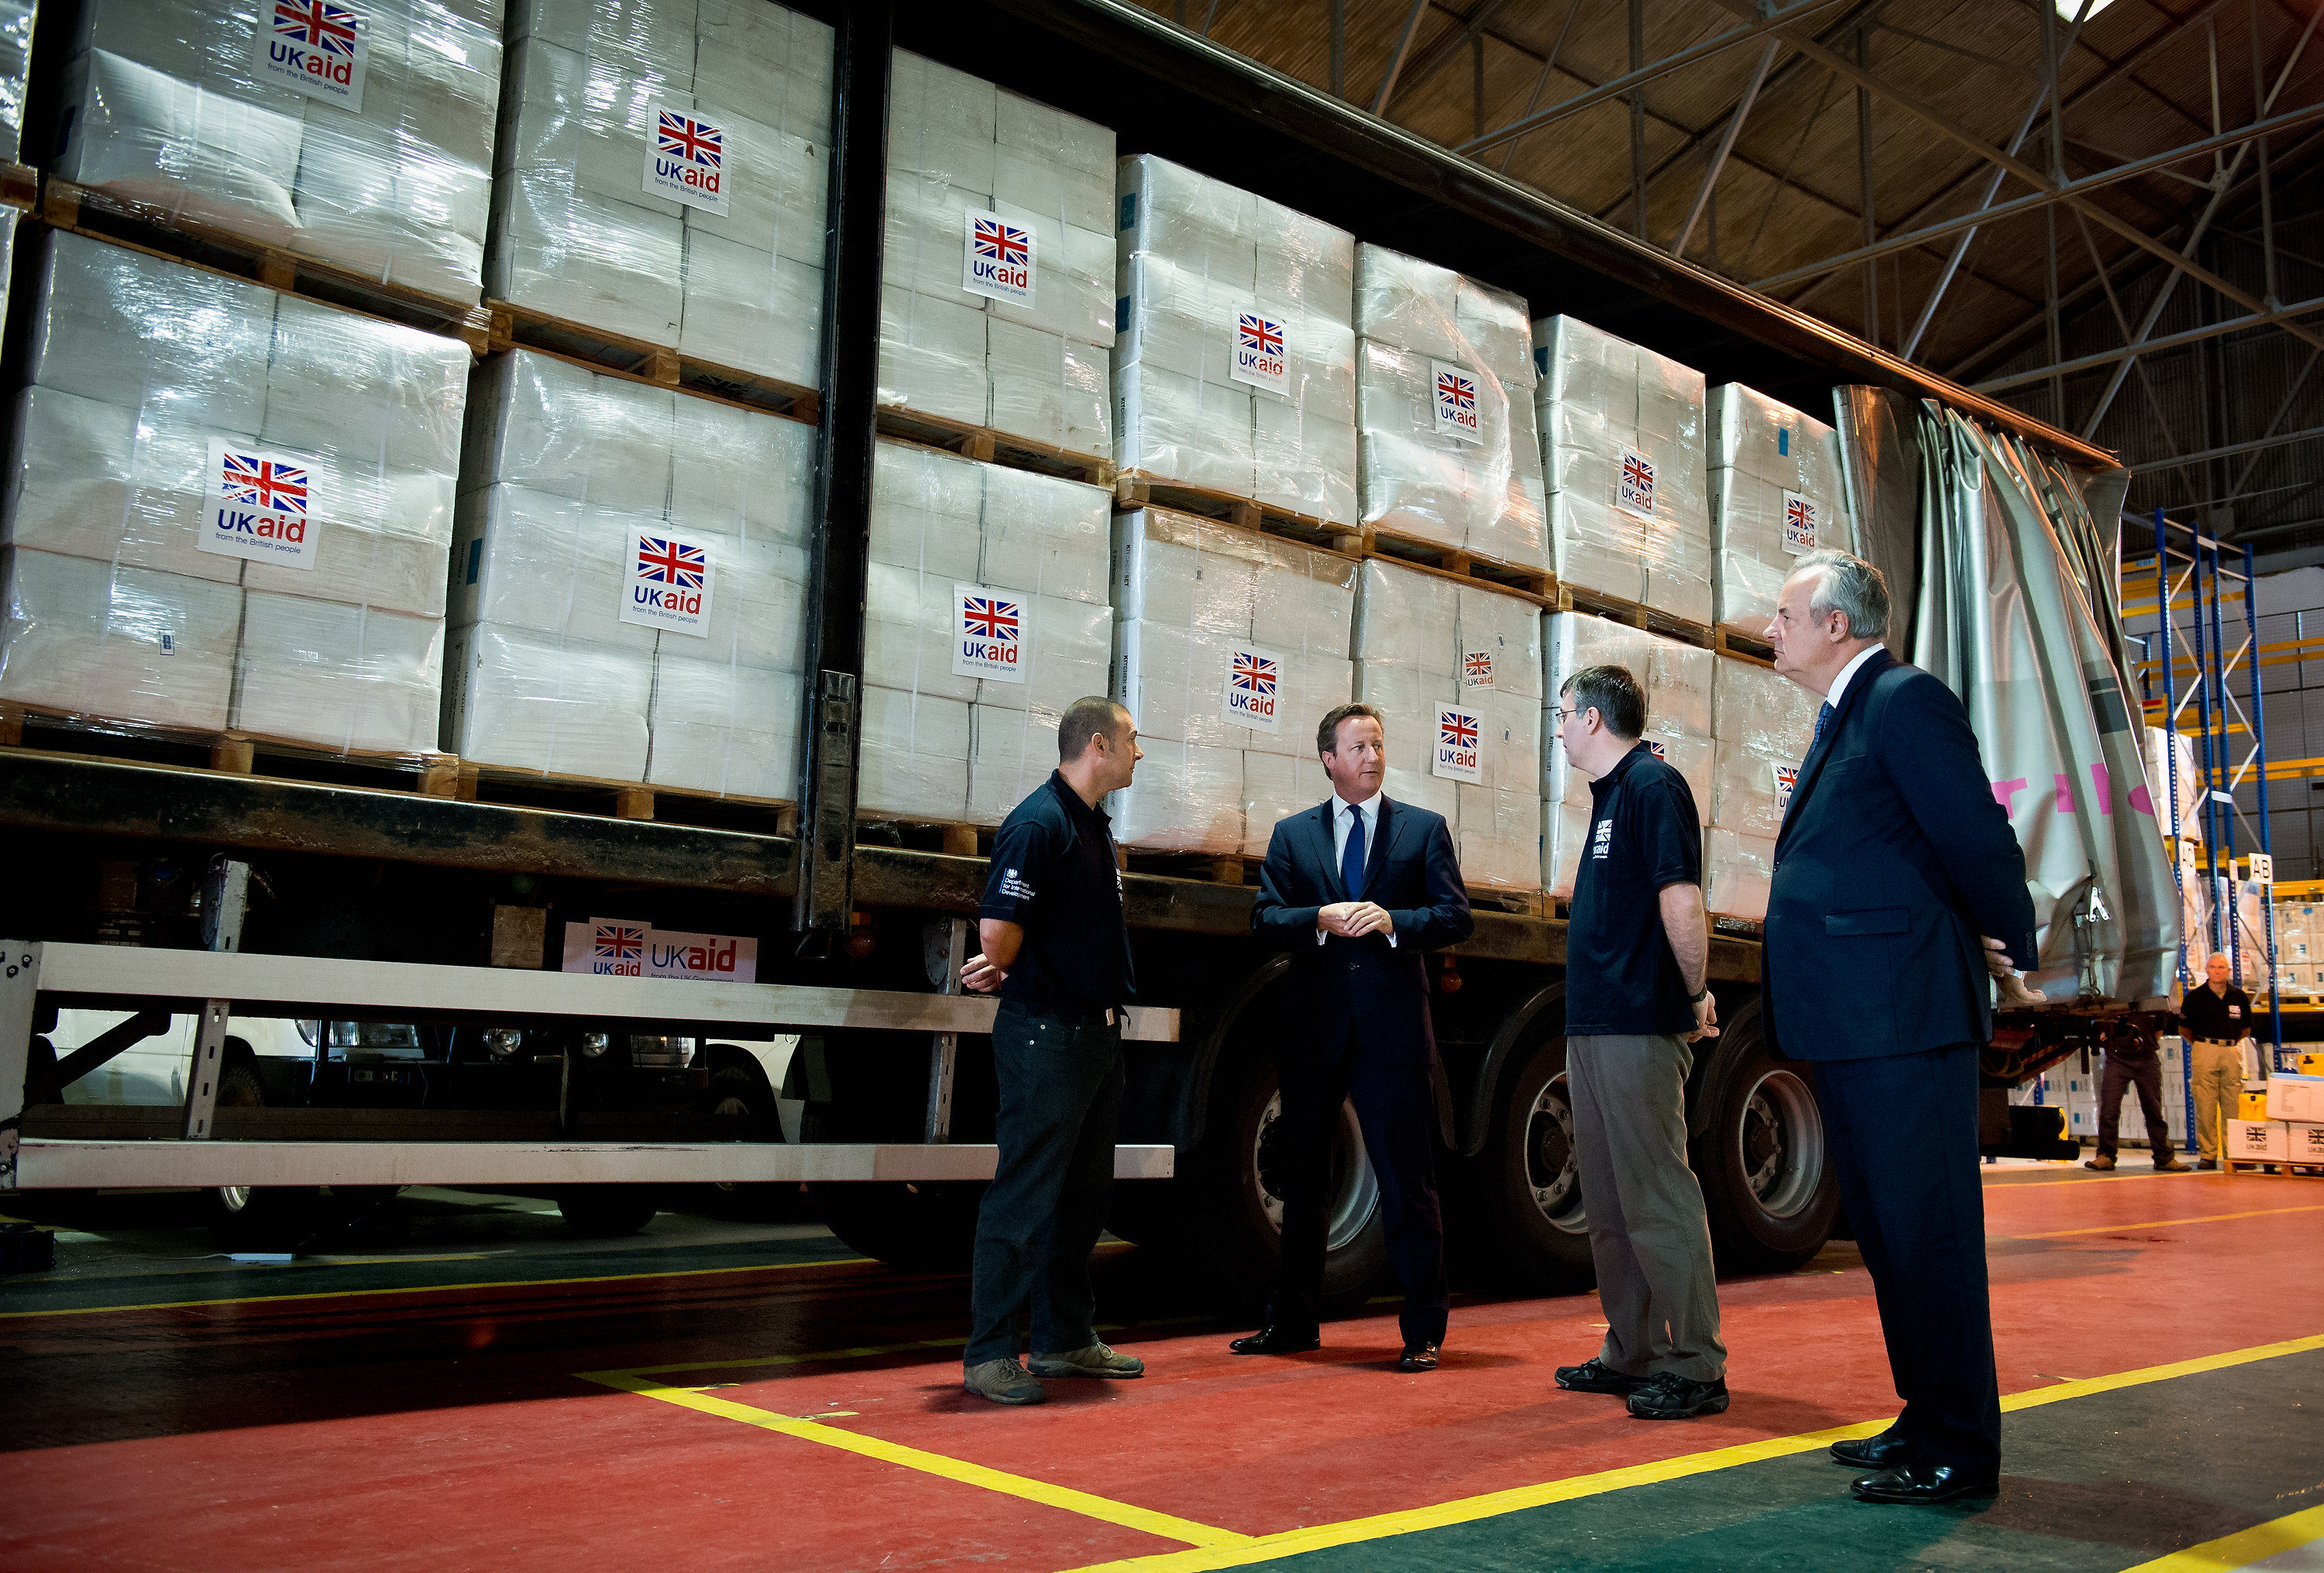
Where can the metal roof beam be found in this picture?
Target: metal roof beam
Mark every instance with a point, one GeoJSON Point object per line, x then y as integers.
{"type": "Point", "coordinates": [2232, 449]}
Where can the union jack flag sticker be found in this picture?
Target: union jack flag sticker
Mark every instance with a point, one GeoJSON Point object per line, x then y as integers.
{"type": "Point", "coordinates": [671, 563]}
{"type": "Point", "coordinates": [681, 136]}
{"type": "Point", "coordinates": [1477, 669]}
{"type": "Point", "coordinates": [1000, 242]}
{"type": "Point", "coordinates": [989, 617]}
{"type": "Point", "coordinates": [619, 941]}
{"type": "Point", "coordinates": [1634, 493]}
{"type": "Point", "coordinates": [992, 634]}
{"type": "Point", "coordinates": [1786, 777]}
{"type": "Point", "coordinates": [1459, 729]}
{"type": "Point", "coordinates": [1799, 523]}
{"type": "Point", "coordinates": [1458, 757]}
{"type": "Point", "coordinates": [317, 25]}
{"type": "Point", "coordinates": [1254, 673]}
{"type": "Point", "coordinates": [261, 482]}
{"type": "Point", "coordinates": [1259, 335]}
{"type": "Point", "coordinates": [1659, 751]}
{"type": "Point", "coordinates": [1456, 391]}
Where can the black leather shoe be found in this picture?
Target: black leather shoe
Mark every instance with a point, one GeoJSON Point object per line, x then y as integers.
{"type": "Point", "coordinates": [1419, 1356]}
{"type": "Point", "coordinates": [1594, 1376]}
{"type": "Point", "coordinates": [1920, 1484]}
{"type": "Point", "coordinates": [1885, 1451]}
{"type": "Point", "coordinates": [1275, 1340]}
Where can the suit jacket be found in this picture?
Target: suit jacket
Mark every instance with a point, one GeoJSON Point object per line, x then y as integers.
{"type": "Point", "coordinates": [1893, 858]}
{"type": "Point", "coordinates": [1366, 987]}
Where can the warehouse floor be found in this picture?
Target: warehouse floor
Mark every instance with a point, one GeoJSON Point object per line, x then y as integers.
{"type": "Point", "coordinates": [482, 1392]}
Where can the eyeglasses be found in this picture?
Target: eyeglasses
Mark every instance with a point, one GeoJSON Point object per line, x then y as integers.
{"type": "Point", "coordinates": [1565, 715]}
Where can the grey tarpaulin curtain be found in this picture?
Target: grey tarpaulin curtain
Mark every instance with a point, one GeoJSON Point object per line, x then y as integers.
{"type": "Point", "coordinates": [2013, 585]}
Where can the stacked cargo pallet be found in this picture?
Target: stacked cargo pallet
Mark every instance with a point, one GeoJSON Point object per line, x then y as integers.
{"type": "Point", "coordinates": [1763, 724]}
{"type": "Point", "coordinates": [1679, 687]}
{"type": "Point", "coordinates": [1775, 496]}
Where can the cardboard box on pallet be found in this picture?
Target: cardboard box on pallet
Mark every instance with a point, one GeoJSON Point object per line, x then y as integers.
{"type": "Point", "coordinates": [628, 583]}
{"type": "Point", "coordinates": [1235, 355]}
{"type": "Point", "coordinates": [1446, 439]}
{"type": "Point", "coordinates": [1231, 648]}
{"type": "Point", "coordinates": [301, 454]}
{"type": "Point", "coordinates": [1776, 495]}
{"type": "Point", "coordinates": [2304, 1141]}
{"type": "Point", "coordinates": [1677, 681]}
{"type": "Point", "coordinates": [2295, 1096]}
{"type": "Point", "coordinates": [661, 175]}
{"type": "Point", "coordinates": [2258, 1138]}
{"type": "Point", "coordinates": [998, 305]}
{"type": "Point", "coordinates": [380, 162]}
{"type": "Point", "coordinates": [1623, 454]}
{"type": "Point", "coordinates": [1763, 724]}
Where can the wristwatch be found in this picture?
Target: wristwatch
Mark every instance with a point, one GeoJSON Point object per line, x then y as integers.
{"type": "Point", "coordinates": [1700, 995]}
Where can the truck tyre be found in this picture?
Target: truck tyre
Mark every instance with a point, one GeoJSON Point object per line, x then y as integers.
{"type": "Point", "coordinates": [608, 1211]}
{"type": "Point", "coordinates": [257, 1217]}
{"type": "Point", "coordinates": [1527, 1185]}
{"type": "Point", "coordinates": [926, 1227]}
{"type": "Point", "coordinates": [738, 1093]}
{"type": "Point", "coordinates": [1767, 1181]}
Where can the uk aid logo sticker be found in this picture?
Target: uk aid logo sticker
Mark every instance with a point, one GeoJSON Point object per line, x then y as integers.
{"type": "Point", "coordinates": [999, 260]}
{"type": "Point", "coordinates": [1456, 392]}
{"type": "Point", "coordinates": [1786, 777]}
{"type": "Point", "coordinates": [1477, 670]}
{"type": "Point", "coordinates": [686, 160]}
{"type": "Point", "coordinates": [1253, 695]}
{"type": "Point", "coordinates": [1261, 355]}
{"type": "Point", "coordinates": [992, 630]}
{"type": "Point", "coordinates": [312, 47]}
{"type": "Point", "coordinates": [668, 585]}
{"type": "Point", "coordinates": [1799, 524]}
{"type": "Point", "coordinates": [259, 506]}
{"type": "Point", "coordinates": [1459, 755]}
{"type": "Point", "coordinates": [1633, 489]}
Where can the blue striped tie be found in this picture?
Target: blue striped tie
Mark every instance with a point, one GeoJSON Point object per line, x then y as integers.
{"type": "Point", "coordinates": [1823, 721]}
{"type": "Point", "coordinates": [1352, 857]}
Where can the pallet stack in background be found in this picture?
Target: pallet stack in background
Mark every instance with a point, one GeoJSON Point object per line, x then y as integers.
{"type": "Point", "coordinates": [1775, 496]}
{"type": "Point", "coordinates": [1763, 724]}
{"type": "Point", "coordinates": [2299, 946]}
{"type": "Point", "coordinates": [1678, 681]}
{"type": "Point", "coordinates": [15, 71]}
{"type": "Point", "coordinates": [1235, 362]}
{"type": "Point", "coordinates": [996, 306]}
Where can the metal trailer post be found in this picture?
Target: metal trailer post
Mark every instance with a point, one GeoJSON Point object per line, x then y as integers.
{"type": "Point", "coordinates": [2266, 837]}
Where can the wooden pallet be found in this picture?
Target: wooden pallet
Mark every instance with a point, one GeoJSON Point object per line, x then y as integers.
{"type": "Point", "coordinates": [19, 186]}
{"type": "Point", "coordinates": [1515, 903]}
{"type": "Point", "coordinates": [143, 226]}
{"type": "Point", "coordinates": [1459, 563]}
{"type": "Point", "coordinates": [1744, 646]}
{"type": "Point", "coordinates": [1569, 597]}
{"type": "Point", "coordinates": [2282, 1169]}
{"type": "Point", "coordinates": [615, 799]}
{"type": "Point", "coordinates": [512, 326]}
{"type": "Point", "coordinates": [229, 753]}
{"type": "Point", "coordinates": [1205, 868]}
{"type": "Point", "coordinates": [1135, 490]}
{"type": "Point", "coordinates": [992, 447]}
{"type": "Point", "coordinates": [952, 838]}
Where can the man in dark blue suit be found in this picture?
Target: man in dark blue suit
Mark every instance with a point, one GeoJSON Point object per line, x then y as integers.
{"type": "Point", "coordinates": [1358, 890]}
{"type": "Point", "coordinates": [1894, 871]}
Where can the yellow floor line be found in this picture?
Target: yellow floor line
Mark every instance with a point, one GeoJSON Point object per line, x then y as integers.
{"type": "Point", "coordinates": [1146, 1520]}
{"type": "Point", "coordinates": [2243, 1547]}
{"type": "Point", "coordinates": [431, 1288]}
{"type": "Point", "coordinates": [2188, 1173]}
{"type": "Point", "coordinates": [2108, 1229]}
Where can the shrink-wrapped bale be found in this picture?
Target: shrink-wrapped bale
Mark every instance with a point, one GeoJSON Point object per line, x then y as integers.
{"type": "Point", "coordinates": [1230, 648]}
{"type": "Point", "coordinates": [1235, 362]}
{"type": "Point", "coordinates": [1775, 496]}
{"type": "Point", "coordinates": [1457, 673]}
{"type": "Point", "coordinates": [1677, 680]}
{"type": "Point", "coordinates": [662, 175]}
{"type": "Point", "coordinates": [125, 644]}
{"type": "Point", "coordinates": [985, 617]}
{"type": "Point", "coordinates": [377, 159]}
{"type": "Point", "coordinates": [305, 454]}
{"type": "Point", "coordinates": [1450, 453]}
{"type": "Point", "coordinates": [642, 541]}
{"type": "Point", "coordinates": [1623, 444]}
{"type": "Point", "coordinates": [1763, 725]}
{"type": "Point", "coordinates": [997, 301]}
{"type": "Point", "coordinates": [2170, 763]}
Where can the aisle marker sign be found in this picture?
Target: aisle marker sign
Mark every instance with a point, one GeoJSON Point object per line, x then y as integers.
{"type": "Point", "coordinates": [992, 630]}
{"type": "Point", "coordinates": [1799, 524]}
{"type": "Point", "coordinates": [1634, 490]}
{"type": "Point", "coordinates": [1458, 757]}
{"type": "Point", "coordinates": [1000, 259]}
{"type": "Point", "coordinates": [1261, 352]}
{"type": "Point", "coordinates": [259, 506]}
{"type": "Point", "coordinates": [686, 162]}
{"type": "Point", "coordinates": [315, 48]}
{"type": "Point", "coordinates": [1253, 697]}
{"type": "Point", "coordinates": [1455, 399]}
{"type": "Point", "coordinates": [1477, 670]}
{"type": "Point", "coordinates": [668, 586]}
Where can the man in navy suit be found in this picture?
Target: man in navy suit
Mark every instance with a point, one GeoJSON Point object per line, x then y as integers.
{"type": "Point", "coordinates": [1894, 871]}
{"type": "Point", "coordinates": [1358, 890]}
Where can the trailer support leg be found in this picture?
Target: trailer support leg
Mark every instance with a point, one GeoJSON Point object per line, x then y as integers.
{"type": "Point", "coordinates": [947, 948]}
{"type": "Point", "coordinates": [202, 1077]}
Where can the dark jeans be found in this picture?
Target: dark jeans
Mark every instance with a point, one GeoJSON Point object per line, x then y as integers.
{"type": "Point", "coordinates": [1902, 1130]}
{"type": "Point", "coordinates": [1397, 1108]}
{"type": "Point", "coordinates": [2146, 1075]}
{"type": "Point", "coordinates": [1060, 1101]}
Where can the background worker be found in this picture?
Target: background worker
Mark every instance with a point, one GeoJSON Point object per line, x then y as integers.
{"type": "Point", "coordinates": [2214, 1018]}
{"type": "Point", "coordinates": [2130, 1062]}
{"type": "Point", "coordinates": [1637, 950]}
{"type": "Point", "coordinates": [1057, 949]}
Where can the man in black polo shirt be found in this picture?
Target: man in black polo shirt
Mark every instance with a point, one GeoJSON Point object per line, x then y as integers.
{"type": "Point", "coordinates": [1635, 997]}
{"type": "Point", "coordinates": [1058, 951]}
{"type": "Point", "coordinates": [2214, 1018]}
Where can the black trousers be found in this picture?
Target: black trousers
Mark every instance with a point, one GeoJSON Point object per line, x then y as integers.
{"type": "Point", "coordinates": [1904, 1141]}
{"type": "Point", "coordinates": [1396, 1106]}
{"type": "Point", "coordinates": [2146, 1075]}
{"type": "Point", "coordinates": [1060, 1102]}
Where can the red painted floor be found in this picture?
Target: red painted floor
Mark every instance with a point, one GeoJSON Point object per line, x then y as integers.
{"type": "Point", "coordinates": [451, 1430]}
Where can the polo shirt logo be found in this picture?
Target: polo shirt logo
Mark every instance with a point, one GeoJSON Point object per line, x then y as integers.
{"type": "Point", "coordinates": [1014, 887]}
{"type": "Point", "coordinates": [1601, 840]}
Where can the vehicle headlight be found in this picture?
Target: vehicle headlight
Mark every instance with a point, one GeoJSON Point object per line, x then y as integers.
{"type": "Point", "coordinates": [503, 1041]}
{"type": "Point", "coordinates": [595, 1044]}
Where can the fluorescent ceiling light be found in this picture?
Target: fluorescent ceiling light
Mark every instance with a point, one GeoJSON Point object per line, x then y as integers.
{"type": "Point", "coordinates": [2069, 9]}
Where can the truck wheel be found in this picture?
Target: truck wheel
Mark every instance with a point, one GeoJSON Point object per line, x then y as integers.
{"type": "Point", "coordinates": [257, 1217]}
{"type": "Point", "coordinates": [1768, 1181]}
{"type": "Point", "coordinates": [607, 1211]}
{"type": "Point", "coordinates": [739, 1095]}
{"type": "Point", "coordinates": [927, 1227]}
{"type": "Point", "coordinates": [1528, 1183]}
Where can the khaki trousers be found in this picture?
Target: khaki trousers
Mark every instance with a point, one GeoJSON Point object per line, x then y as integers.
{"type": "Point", "coordinates": [2218, 1070]}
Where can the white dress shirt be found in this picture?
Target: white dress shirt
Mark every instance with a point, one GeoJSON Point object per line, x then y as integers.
{"type": "Point", "coordinates": [1840, 684]}
{"type": "Point", "coordinates": [1369, 809]}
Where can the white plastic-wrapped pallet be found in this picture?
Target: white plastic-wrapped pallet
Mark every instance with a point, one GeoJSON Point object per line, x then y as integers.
{"type": "Point", "coordinates": [2160, 773]}
{"type": "Point", "coordinates": [985, 618]}
{"type": "Point", "coordinates": [1677, 680]}
{"type": "Point", "coordinates": [1775, 496]}
{"type": "Point", "coordinates": [1235, 365]}
{"type": "Point", "coordinates": [1622, 442]}
{"type": "Point", "coordinates": [628, 583]}
{"type": "Point", "coordinates": [662, 173]}
{"type": "Point", "coordinates": [1457, 673]}
{"type": "Point", "coordinates": [997, 307]}
{"type": "Point", "coordinates": [303, 453]}
{"type": "Point", "coordinates": [15, 71]}
{"type": "Point", "coordinates": [1444, 376]}
{"type": "Point", "coordinates": [361, 137]}
{"type": "Point", "coordinates": [1763, 724]}
{"type": "Point", "coordinates": [1232, 647]}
